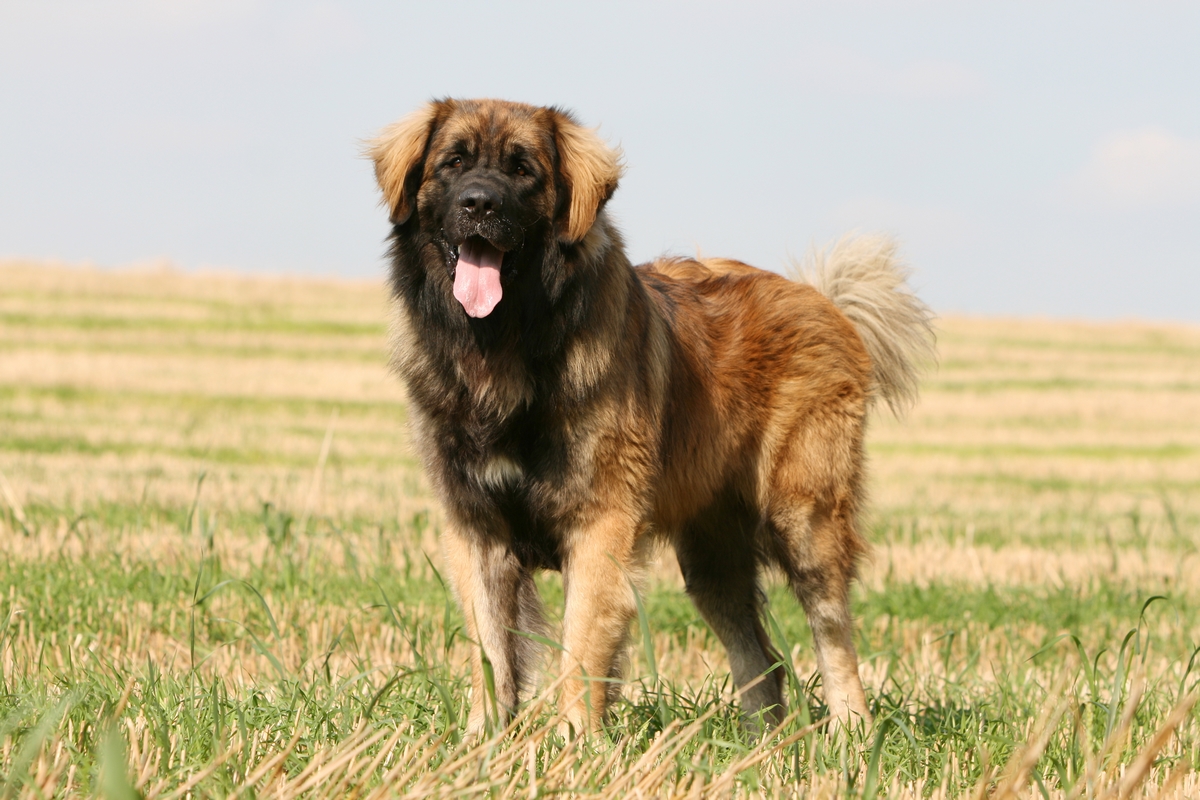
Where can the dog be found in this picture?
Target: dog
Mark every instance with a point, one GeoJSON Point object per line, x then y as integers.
{"type": "Point", "coordinates": [573, 410]}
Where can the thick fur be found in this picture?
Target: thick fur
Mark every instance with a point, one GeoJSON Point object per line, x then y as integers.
{"type": "Point", "coordinates": [601, 407]}
{"type": "Point", "coordinates": [864, 278]}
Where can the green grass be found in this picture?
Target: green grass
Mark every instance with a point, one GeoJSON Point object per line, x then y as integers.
{"type": "Point", "coordinates": [69, 679]}
{"type": "Point", "coordinates": [79, 399]}
{"type": "Point", "coordinates": [999, 451]}
{"type": "Point", "coordinates": [264, 323]}
{"type": "Point", "coordinates": [997, 386]}
{"type": "Point", "coordinates": [369, 354]}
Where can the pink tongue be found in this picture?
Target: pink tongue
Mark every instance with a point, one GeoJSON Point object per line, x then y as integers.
{"type": "Point", "coordinates": [477, 277]}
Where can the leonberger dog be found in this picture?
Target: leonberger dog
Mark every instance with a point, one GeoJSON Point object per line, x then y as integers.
{"type": "Point", "coordinates": [572, 410]}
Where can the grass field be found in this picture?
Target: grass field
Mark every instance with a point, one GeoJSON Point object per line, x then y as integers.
{"type": "Point", "coordinates": [219, 573]}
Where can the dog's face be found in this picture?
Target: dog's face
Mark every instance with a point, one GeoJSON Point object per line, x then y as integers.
{"type": "Point", "coordinates": [492, 184]}
{"type": "Point", "coordinates": [489, 173]}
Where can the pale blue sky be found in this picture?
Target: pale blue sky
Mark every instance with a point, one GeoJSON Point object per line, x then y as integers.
{"type": "Point", "coordinates": [1033, 158]}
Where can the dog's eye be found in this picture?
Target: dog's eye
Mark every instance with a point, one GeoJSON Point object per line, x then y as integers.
{"type": "Point", "coordinates": [456, 161]}
{"type": "Point", "coordinates": [521, 170]}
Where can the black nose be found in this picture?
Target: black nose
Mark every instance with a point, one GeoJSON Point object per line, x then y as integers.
{"type": "Point", "coordinates": [480, 200]}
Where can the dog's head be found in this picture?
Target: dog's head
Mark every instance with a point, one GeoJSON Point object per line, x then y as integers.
{"type": "Point", "coordinates": [484, 179]}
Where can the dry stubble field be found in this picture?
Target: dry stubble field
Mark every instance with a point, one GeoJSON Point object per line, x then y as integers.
{"type": "Point", "coordinates": [219, 575]}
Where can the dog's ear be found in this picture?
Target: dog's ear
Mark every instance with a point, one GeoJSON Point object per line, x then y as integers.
{"type": "Point", "coordinates": [590, 169]}
{"type": "Point", "coordinates": [399, 156]}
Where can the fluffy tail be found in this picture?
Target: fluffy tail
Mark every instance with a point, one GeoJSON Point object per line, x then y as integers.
{"type": "Point", "coordinates": [866, 280]}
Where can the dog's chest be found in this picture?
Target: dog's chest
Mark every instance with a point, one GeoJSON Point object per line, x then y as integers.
{"type": "Point", "coordinates": [521, 479]}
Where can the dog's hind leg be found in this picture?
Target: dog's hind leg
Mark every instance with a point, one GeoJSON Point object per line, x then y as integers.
{"type": "Point", "coordinates": [818, 546]}
{"type": "Point", "coordinates": [717, 557]}
{"type": "Point", "coordinates": [498, 597]}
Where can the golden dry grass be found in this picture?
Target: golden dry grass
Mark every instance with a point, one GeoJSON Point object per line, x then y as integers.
{"type": "Point", "coordinates": [1047, 464]}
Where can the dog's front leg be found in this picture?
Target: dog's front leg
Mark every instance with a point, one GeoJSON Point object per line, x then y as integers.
{"type": "Point", "coordinates": [600, 603]}
{"type": "Point", "coordinates": [490, 584]}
